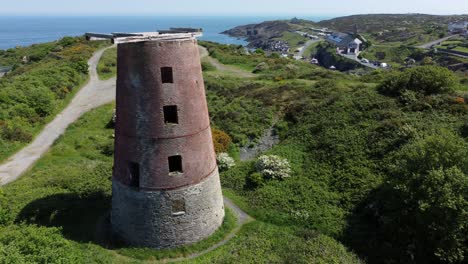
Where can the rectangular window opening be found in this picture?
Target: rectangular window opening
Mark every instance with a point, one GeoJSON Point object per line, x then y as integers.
{"type": "Point", "coordinates": [170, 114]}
{"type": "Point", "coordinates": [134, 171]}
{"type": "Point", "coordinates": [175, 164]}
{"type": "Point", "coordinates": [178, 207]}
{"type": "Point", "coordinates": [166, 75]}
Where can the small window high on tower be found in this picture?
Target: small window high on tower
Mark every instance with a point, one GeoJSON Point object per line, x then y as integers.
{"type": "Point", "coordinates": [170, 114]}
{"type": "Point", "coordinates": [175, 164]}
{"type": "Point", "coordinates": [166, 75]}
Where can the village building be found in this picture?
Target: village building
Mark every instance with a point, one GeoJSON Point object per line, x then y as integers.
{"type": "Point", "coordinates": [458, 28]}
{"type": "Point", "coordinates": [345, 43]}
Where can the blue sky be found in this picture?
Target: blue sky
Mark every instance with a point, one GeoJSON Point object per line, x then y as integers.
{"type": "Point", "coordinates": [230, 7]}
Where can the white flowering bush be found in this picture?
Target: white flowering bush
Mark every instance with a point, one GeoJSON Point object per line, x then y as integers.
{"type": "Point", "coordinates": [273, 167]}
{"type": "Point", "coordinates": [225, 161]}
{"type": "Point", "coordinates": [300, 215]}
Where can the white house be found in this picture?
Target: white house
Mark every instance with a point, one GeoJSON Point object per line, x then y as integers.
{"type": "Point", "coordinates": [345, 43]}
{"type": "Point", "coordinates": [354, 46]}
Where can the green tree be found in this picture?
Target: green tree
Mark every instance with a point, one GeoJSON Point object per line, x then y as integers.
{"type": "Point", "coordinates": [427, 61]}
{"type": "Point", "coordinates": [424, 208]}
{"type": "Point", "coordinates": [260, 51]}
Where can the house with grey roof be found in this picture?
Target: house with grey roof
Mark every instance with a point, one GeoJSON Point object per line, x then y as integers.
{"type": "Point", "coordinates": [345, 43]}
{"type": "Point", "coordinates": [458, 27]}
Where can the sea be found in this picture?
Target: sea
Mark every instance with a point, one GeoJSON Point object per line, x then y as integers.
{"type": "Point", "coordinates": [27, 30]}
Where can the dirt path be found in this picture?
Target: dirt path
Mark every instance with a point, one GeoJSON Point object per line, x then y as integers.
{"type": "Point", "coordinates": [95, 93]}
{"type": "Point", "coordinates": [223, 67]}
{"type": "Point", "coordinates": [306, 45]}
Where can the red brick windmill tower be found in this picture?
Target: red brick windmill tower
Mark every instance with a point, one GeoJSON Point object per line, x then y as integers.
{"type": "Point", "coordinates": [165, 187]}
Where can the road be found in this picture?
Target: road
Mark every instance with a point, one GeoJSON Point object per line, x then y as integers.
{"type": "Point", "coordinates": [306, 45]}
{"type": "Point", "coordinates": [435, 42]}
{"type": "Point", "coordinates": [354, 58]}
{"type": "Point", "coordinates": [95, 93]}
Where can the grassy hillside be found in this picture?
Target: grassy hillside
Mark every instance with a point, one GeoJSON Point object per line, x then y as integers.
{"type": "Point", "coordinates": [50, 214]}
{"type": "Point", "coordinates": [391, 38]}
{"type": "Point", "coordinates": [44, 78]}
{"type": "Point", "coordinates": [259, 34]}
{"type": "Point", "coordinates": [407, 28]}
{"type": "Point", "coordinates": [376, 162]}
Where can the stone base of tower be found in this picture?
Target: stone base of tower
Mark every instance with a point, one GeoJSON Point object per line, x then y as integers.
{"type": "Point", "coordinates": [169, 218]}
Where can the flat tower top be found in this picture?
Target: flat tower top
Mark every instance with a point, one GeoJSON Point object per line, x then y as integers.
{"type": "Point", "coordinates": [162, 35]}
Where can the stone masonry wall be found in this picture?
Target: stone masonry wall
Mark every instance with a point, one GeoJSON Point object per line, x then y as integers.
{"type": "Point", "coordinates": [156, 219]}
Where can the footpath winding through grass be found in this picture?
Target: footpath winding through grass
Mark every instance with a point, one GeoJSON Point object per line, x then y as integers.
{"type": "Point", "coordinates": [95, 93]}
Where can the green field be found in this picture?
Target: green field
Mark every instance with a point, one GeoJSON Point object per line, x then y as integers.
{"type": "Point", "coordinates": [455, 45]}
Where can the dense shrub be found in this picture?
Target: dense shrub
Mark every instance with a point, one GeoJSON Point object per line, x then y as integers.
{"type": "Point", "coordinates": [225, 162]}
{"type": "Point", "coordinates": [5, 215]}
{"type": "Point", "coordinates": [206, 66]}
{"type": "Point", "coordinates": [32, 244]}
{"type": "Point", "coordinates": [273, 167]}
{"type": "Point", "coordinates": [419, 215]}
{"type": "Point", "coordinates": [266, 243]}
{"type": "Point", "coordinates": [425, 80]}
{"type": "Point", "coordinates": [221, 140]}
{"type": "Point", "coordinates": [430, 180]}
{"type": "Point", "coordinates": [380, 55]}
{"type": "Point", "coordinates": [464, 129]}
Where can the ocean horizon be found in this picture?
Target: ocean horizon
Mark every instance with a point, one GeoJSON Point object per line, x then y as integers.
{"type": "Point", "coordinates": [18, 30]}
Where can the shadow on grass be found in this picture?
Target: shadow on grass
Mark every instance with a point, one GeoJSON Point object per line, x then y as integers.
{"type": "Point", "coordinates": [85, 219]}
{"type": "Point", "coordinates": [81, 218]}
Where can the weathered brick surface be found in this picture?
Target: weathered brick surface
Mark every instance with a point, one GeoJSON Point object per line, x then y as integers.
{"type": "Point", "coordinates": [143, 215]}
{"type": "Point", "coordinates": [141, 134]}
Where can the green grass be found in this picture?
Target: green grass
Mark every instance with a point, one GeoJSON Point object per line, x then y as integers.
{"type": "Point", "coordinates": [59, 201]}
{"type": "Point", "coordinates": [70, 187]}
{"type": "Point", "coordinates": [451, 42]}
{"type": "Point", "coordinates": [259, 242]}
{"type": "Point", "coordinates": [395, 54]}
{"type": "Point", "coordinates": [107, 65]}
{"type": "Point", "coordinates": [146, 254]}
{"type": "Point", "coordinates": [461, 49]}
